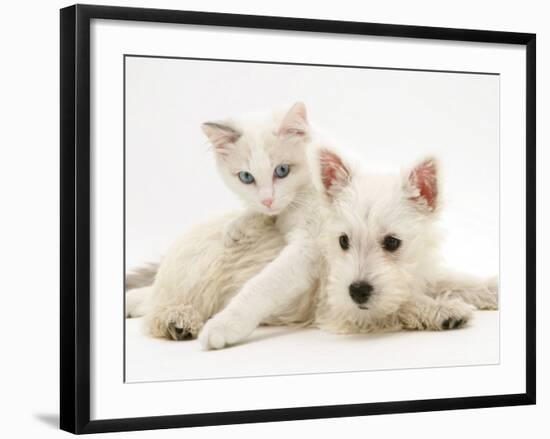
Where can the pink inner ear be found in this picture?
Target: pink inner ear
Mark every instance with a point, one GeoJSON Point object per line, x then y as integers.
{"type": "Point", "coordinates": [292, 132]}
{"type": "Point", "coordinates": [222, 139]}
{"type": "Point", "coordinates": [424, 178]}
{"type": "Point", "coordinates": [220, 136]}
{"type": "Point", "coordinates": [332, 169]}
{"type": "Point", "coordinates": [295, 121]}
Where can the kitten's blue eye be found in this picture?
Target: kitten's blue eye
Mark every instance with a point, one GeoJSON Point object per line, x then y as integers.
{"type": "Point", "coordinates": [282, 171]}
{"type": "Point", "coordinates": [246, 177]}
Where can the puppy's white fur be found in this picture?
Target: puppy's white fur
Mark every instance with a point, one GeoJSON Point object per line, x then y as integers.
{"type": "Point", "coordinates": [200, 276]}
{"type": "Point", "coordinates": [410, 287]}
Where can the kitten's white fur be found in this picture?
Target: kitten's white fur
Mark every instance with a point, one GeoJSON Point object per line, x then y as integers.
{"type": "Point", "coordinates": [258, 144]}
{"type": "Point", "coordinates": [258, 148]}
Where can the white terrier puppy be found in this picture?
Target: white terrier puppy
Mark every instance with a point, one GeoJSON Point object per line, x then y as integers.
{"type": "Point", "coordinates": [379, 265]}
{"type": "Point", "coordinates": [381, 243]}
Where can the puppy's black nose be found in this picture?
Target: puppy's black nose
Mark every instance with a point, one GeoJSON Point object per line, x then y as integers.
{"type": "Point", "coordinates": [360, 292]}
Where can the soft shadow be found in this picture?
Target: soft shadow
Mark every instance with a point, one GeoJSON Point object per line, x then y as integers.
{"type": "Point", "coordinates": [50, 419]}
{"type": "Point", "coordinates": [259, 337]}
{"type": "Point", "coordinates": [359, 338]}
{"type": "Point", "coordinates": [371, 336]}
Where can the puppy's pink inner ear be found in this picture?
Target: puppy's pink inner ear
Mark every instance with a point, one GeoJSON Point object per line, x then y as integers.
{"type": "Point", "coordinates": [334, 173]}
{"type": "Point", "coordinates": [424, 178]}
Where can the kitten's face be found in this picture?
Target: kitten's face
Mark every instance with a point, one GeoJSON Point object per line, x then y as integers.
{"type": "Point", "coordinates": [263, 162]}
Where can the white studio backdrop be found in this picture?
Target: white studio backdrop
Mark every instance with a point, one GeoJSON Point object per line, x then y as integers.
{"type": "Point", "coordinates": [386, 119]}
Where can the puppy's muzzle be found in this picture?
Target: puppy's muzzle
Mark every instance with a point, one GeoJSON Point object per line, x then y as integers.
{"type": "Point", "coordinates": [360, 292]}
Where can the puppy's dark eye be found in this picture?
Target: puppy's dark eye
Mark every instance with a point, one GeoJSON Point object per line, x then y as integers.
{"type": "Point", "coordinates": [391, 243]}
{"type": "Point", "coordinates": [344, 241]}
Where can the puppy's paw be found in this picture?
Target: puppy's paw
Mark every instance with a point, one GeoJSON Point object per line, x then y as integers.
{"type": "Point", "coordinates": [137, 302]}
{"type": "Point", "coordinates": [453, 323]}
{"type": "Point", "coordinates": [483, 296]}
{"type": "Point", "coordinates": [452, 314]}
{"type": "Point", "coordinates": [224, 329]}
{"type": "Point", "coordinates": [178, 327]}
{"type": "Point", "coordinates": [489, 299]}
{"type": "Point", "coordinates": [176, 323]}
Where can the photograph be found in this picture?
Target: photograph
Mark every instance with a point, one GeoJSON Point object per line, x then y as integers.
{"type": "Point", "coordinates": [290, 218]}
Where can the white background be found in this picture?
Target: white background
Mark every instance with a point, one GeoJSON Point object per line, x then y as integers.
{"type": "Point", "coordinates": [29, 226]}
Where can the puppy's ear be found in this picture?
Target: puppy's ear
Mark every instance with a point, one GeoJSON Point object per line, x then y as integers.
{"type": "Point", "coordinates": [221, 135]}
{"type": "Point", "coordinates": [420, 184]}
{"type": "Point", "coordinates": [331, 174]}
{"type": "Point", "coordinates": [295, 121]}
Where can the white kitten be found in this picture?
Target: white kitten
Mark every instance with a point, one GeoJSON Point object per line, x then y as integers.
{"type": "Point", "coordinates": [263, 160]}
{"type": "Point", "coordinates": [267, 168]}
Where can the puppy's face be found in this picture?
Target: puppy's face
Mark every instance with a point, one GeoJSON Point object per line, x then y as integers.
{"type": "Point", "coordinates": [379, 236]}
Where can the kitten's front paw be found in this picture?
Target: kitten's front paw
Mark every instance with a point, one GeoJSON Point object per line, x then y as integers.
{"type": "Point", "coordinates": [225, 329]}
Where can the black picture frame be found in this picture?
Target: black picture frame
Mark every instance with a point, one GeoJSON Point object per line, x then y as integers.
{"type": "Point", "coordinates": [75, 217]}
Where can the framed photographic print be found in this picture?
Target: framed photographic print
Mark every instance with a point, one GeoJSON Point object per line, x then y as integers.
{"type": "Point", "coordinates": [273, 218]}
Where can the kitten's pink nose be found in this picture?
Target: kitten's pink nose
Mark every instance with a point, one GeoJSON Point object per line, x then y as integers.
{"type": "Point", "coordinates": [267, 202]}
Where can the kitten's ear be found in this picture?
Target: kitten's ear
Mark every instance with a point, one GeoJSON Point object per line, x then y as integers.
{"type": "Point", "coordinates": [331, 174]}
{"type": "Point", "coordinates": [295, 121]}
{"type": "Point", "coordinates": [220, 135]}
{"type": "Point", "coordinates": [420, 184]}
